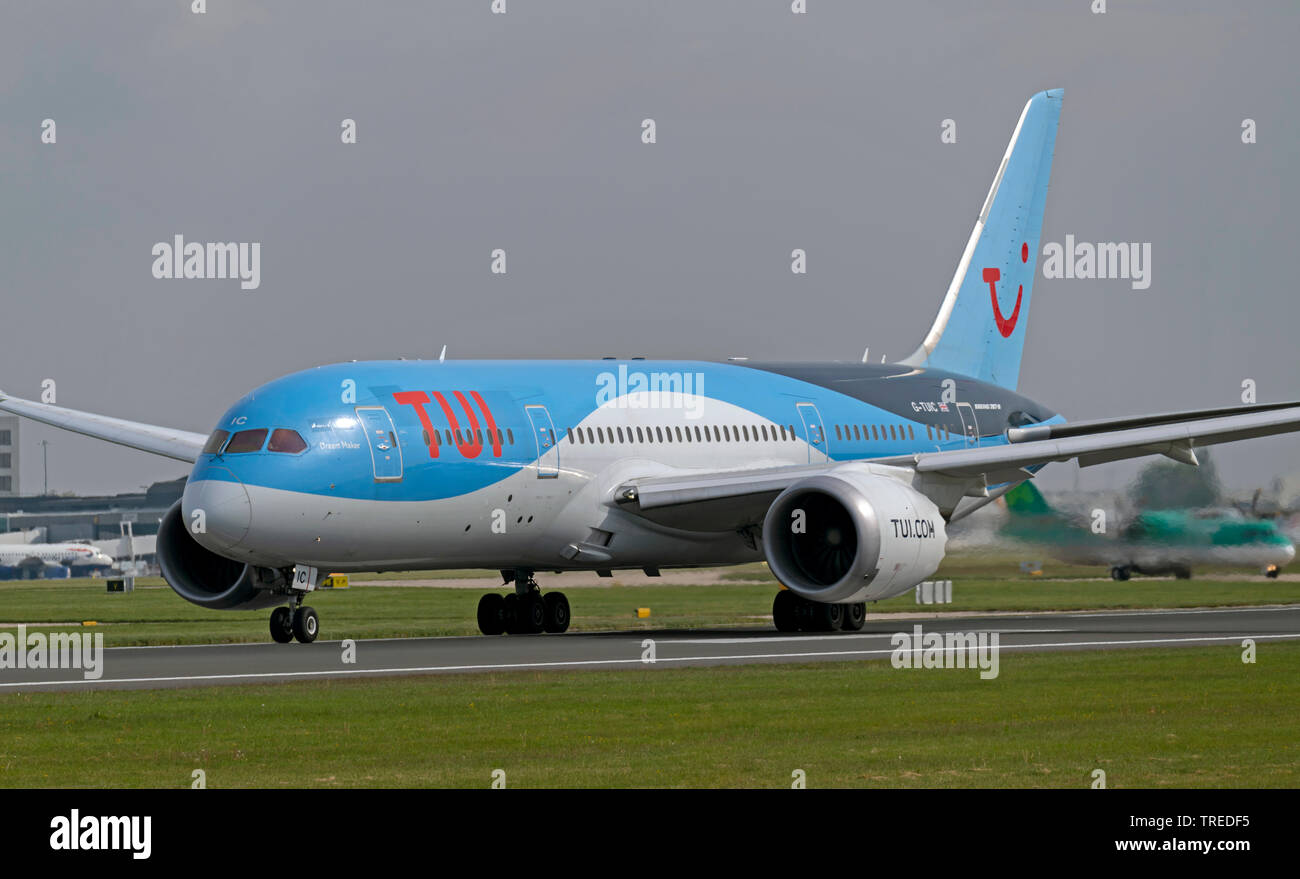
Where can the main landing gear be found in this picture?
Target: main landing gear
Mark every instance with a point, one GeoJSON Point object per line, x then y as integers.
{"type": "Point", "coordinates": [299, 622]}
{"type": "Point", "coordinates": [526, 611]}
{"type": "Point", "coordinates": [792, 613]}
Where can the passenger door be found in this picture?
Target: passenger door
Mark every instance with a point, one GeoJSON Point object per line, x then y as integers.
{"type": "Point", "coordinates": [385, 453]}
{"type": "Point", "coordinates": [548, 446]}
{"type": "Point", "coordinates": [814, 431]}
{"type": "Point", "coordinates": [970, 427]}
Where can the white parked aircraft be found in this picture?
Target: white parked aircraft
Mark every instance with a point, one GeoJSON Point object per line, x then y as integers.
{"type": "Point", "coordinates": [82, 558]}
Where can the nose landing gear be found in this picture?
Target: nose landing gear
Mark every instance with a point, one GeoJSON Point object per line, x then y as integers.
{"type": "Point", "coordinates": [299, 622]}
{"type": "Point", "coordinates": [524, 612]}
{"type": "Point", "coordinates": [282, 625]}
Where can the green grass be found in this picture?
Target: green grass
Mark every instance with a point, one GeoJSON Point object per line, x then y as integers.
{"type": "Point", "coordinates": [153, 614]}
{"type": "Point", "coordinates": [1190, 717]}
{"type": "Point", "coordinates": [156, 615]}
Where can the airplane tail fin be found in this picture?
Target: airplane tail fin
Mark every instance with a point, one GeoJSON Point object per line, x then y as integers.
{"type": "Point", "coordinates": [980, 329]}
{"type": "Point", "coordinates": [1026, 500]}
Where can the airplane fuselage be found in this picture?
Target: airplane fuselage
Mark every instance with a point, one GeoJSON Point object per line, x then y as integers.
{"type": "Point", "coordinates": [415, 464]}
{"type": "Point", "coordinates": [72, 555]}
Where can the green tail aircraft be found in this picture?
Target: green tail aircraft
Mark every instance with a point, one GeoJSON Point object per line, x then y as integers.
{"type": "Point", "coordinates": [1152, 542]}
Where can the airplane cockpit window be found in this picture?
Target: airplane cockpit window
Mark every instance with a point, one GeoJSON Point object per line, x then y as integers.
{"type": "Point", "coordinates": [285, 440]}
{"type": "Point", "coordinates": [213, 445]}
{"type": "Point", "coordinates": [246, 441]}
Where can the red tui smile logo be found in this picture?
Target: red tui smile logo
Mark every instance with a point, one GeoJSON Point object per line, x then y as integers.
{"type": "Point", "coordinates": [1006, 325]}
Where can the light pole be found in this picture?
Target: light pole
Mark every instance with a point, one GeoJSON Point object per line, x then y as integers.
{"type": "Point", "coordinates": [45, 456]}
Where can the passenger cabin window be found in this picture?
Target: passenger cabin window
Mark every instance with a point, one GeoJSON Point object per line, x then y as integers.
{"type": "Point", "coordinates": [285, 440]}
{"type": "Point", "coordinates": [246, 441]}
{"type": "Point", "coordinates": [213, 445]}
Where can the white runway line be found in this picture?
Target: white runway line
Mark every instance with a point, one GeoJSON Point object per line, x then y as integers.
{"type": "Point", "coordinates": [589, 662]}
{"type": "Point", "coordinates": [1172, 612]}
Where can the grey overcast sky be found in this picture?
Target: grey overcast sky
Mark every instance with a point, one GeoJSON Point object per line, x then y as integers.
{"type": "Point", "coordinates": [522, 131]}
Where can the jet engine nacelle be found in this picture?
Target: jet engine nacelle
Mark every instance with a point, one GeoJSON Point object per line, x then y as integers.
{"type": "Point", "coordinates": [201, 576]}
{"type": "Point", "coordinates": [851, 535]}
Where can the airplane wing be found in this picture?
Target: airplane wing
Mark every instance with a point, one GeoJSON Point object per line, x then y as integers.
{"type": "Point", "coordinates": [731, 499]}
{"type": "Point", "coordinates": [178, 444]}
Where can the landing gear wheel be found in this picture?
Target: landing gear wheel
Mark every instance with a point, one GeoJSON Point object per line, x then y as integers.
{"type": "Point", "coordinates": [1120, 572]}
{"type": "Point", "coordinates": [306, 625]}
{"type": "Point", "coordinates": [532, 614]}
{"type": "Point", "coordinates": [282, 625]}
{"type": "Point", "coordinates": [556, 612]}
{"type": "Point", "coordinates": [784, 611]}
{"type": "Point", "coordinates": [510, 614]}
{"type": "Point", "coordinates": [1181, 573]}
{"type": "Point", "coordinates": [827, 617]}
{"type": "Point", "coordinates": [1272, 572]}
{"type": "Point", "coordinates": [525, 614]}
{"type": "Point", "coordinates": [855, 616]}
{"type": "Point", "coordinates": [492, 614]}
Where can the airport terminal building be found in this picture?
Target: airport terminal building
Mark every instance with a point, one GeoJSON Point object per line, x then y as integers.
{"type": "Point", "coordinates": [9, 456]}
{"type": "Point", "coordinates": [104, 519]}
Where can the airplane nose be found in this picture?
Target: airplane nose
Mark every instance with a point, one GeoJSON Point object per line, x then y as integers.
{"type": "Point", "coordinates": [224, 511]}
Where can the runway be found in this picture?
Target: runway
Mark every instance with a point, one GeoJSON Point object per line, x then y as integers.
{"type": "Point", "coordinates": [211, 665]}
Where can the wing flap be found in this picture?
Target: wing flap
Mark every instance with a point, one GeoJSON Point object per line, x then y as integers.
{"type": "Point", "coordinates": [1173, 440]}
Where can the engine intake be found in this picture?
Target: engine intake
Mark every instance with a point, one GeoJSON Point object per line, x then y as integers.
{"type": "Point", "coordinates": [204, 578]}
{"type": "Point", "coordinates": [851, 535]}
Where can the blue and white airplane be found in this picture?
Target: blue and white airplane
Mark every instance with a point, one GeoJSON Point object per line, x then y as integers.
{"type": "Point", "coordinates": [841, 475]}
